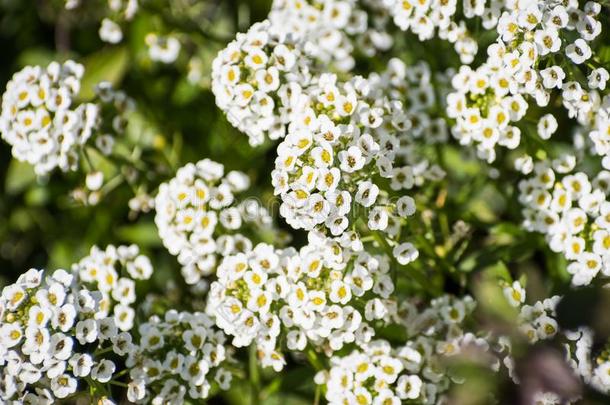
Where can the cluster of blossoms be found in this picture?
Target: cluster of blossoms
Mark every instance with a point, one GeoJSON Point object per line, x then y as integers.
{"type": "Point", "coordinates": [198, 217]}
{"type": "Point", "coordinates": [178, 358]}
{"type": "Point", "coordinates": [375, 374]}
{"type": "Point", "coordinates": [520, 66]}
{"type": "Point", "coordinates": [423, 18]}
{"type": "Point", "coordinates": [325, 294]}
{"type": "Point", "coordinates": [414, 372]}
{"type": "Point", "coordinates": [254, 79]}
{"type": "Point", "coordinates": [50, 330]}
{"type": "Point", "coordinates": [114, 272]}
{"type": "Point", "coordinates": [333, 31]}
{"type": "Point", "coordinates": [39, 119]}
{"type": "Point", "coordinates": [572, 211]}
{"type": "Point", "coordinates": [346, 142]}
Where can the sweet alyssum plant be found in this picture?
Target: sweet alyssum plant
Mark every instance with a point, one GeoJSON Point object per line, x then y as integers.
{"type": "Point", "coordinates": [424, 164]}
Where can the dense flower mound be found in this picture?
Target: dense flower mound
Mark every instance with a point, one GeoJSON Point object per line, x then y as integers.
{"type": "Point", "coordinates": [573, 212]}
{"type": "Point", "coordinates": [251, 80]}
{"type": "Point", "coordinates": [325, 295]}
{"type": "Point", "coordinates": [520, 69]}
{"type": "Point", "coordinates": [378, 372]}
{"type": "Point", "coordinates": [51, 331]}
{"type": "Point", "coordinates": [178, 358]}
{"type": "Point", "coordinates": [199, 217]}
{"type": "Point", "coordinates": [40, 119]}
{"type": "Point", "coordinates": [347, 138]}
{"type": "Point", "coordinates": [114, 272]}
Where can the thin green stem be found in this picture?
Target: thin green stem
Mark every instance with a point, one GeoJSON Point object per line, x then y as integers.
{"type": "Point", "coordinates": [254, 375]}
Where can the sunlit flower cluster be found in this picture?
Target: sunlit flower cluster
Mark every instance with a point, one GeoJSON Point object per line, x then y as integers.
{"type": "Point", "coordinates": [178, 358]}
{"type": "Point", "coordinates": [114, 272]}
{"type": "Point", "coordinates": [571, 210]}
{"type": "Point", "coordinates": [490, 99]}
{"type": "Point", "coordinates": [325, 294]}
{"type": "Point", "coordinates": [40, 119]}
{"type": "Point", "coordinates": [198, 216]}
{"type": "Point", "coordinates": [51, 330]}
{"type": "Point", "coordinates": [347, 158]}
{"type": "Point", "coordinates": [255, 79]}
{"type": "Point", "coordinates": [377, 374]}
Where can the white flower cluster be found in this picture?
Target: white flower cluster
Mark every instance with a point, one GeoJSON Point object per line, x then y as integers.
{"type": "Point", "coordinates": [346, 142]}
{"type": "Point", "coordinates": [333, 30]}
{"type": "Point", "coordinates": [377, 373]}
{"type": "Point", "coordinates": [177, 359]}
{"type": "Point", "coordinates": [573, 212]}
{"type": "Point", "coordinates": [198, 217]}
{"type": "Point", "coordinates": [531, 36]}
{"type": "Point", "coordinates": [50, 329]}
{"type": "Point", "coordinates": [114, 272]}
{"type": "Point", "coordinates": [254, 78]}
{"type": "Point", "coordinates": [39, 119]}
{"type": "Point", "coordinates": [424, 17]}
{"type": "Point", "coordinates": [324, 294]}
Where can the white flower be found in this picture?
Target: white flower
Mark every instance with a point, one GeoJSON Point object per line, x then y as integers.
{"type": "Point", "coordinates": [578, 52]}
{"type": "Point", "coordinates": [367, 193]}
{"type": "Point", "coordinates": [40, 121]}
{"type": "Point", "coordinates": [515, 294]}
{"type": "Point", "coordinates": [162, 49]}
{"type": "Point", "coordinates": [102, 371]}
{"type": "Point", "coordinates": [351, 159]}
{"type": "Point", "coordinates": [409, 387]}
{"type": "Point", "coordinates": [110, 32]}
{"type": "Point", "coordinates": [63, 385]}
{"type": "Point", "coordinates": [547, 126]}
{"type": "Point", "coordinates": [405, 253]}
{"type": "Point", "coordinates": [95, 180]}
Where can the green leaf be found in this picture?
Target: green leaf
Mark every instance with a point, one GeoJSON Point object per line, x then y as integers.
{"type": "Point", "coordinates": [142, 234]}
{"type": "Point", "coordinates": [109, 64]}
{"type": "Point", "coordinates": [35, 56]}
{"type": "Point", "coordinates": [20, 176]}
